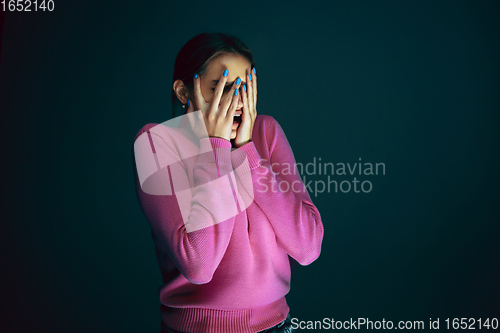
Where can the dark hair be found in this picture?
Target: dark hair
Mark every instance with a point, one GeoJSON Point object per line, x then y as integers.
{"type": "Point", "coordinates": [198, 53]}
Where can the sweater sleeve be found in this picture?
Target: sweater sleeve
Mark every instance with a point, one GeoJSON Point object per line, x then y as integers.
{"type": "Point", "coordinates": [191, 224]}
{"type": "Point", "coordinates": [281, 194]}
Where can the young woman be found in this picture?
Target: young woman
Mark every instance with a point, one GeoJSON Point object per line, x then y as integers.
{"type": "Point", "coordinates": [227, 222]}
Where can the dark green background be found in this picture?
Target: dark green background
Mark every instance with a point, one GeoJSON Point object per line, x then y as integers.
{"type": "Point", "coordinates": [414, 85]}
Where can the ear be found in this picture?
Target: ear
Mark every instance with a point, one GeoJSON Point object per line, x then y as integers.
{"type": "Point", "coordinates": [180, 91]}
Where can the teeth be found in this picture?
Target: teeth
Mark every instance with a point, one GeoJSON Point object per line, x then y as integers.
{"type": "Point", "coordinates": [237, 115]}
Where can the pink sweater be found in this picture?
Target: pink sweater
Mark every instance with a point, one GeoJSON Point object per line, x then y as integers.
{"type": "Point", "coordinates": [225, 268]}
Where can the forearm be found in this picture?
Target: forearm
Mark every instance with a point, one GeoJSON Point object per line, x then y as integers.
{"type": "Point", "coordinates": [284, 200]}
{"type": "Point", "coordinates": [190, 224]}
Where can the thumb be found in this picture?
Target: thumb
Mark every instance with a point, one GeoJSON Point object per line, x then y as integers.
{"type": "Point", "coordinates": [189, 113]}
{"type": "Point", "coordinates": [190, 107]}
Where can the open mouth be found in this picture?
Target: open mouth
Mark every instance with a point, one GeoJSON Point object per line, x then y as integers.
{"type": "Point", "coordinates": [237, 118]}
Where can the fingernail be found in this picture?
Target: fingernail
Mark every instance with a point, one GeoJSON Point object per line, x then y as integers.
{"type": "Point", "coordinates": [188, 102]}
{"type": "Point", "coordinates": [245, 87]}
{"type": "Point", "coordinates": [254, 70]}
{"type": "Point", "coordinates": [196, 76]}
{"type": "Point", "coordinates": [250, 76]}
{"type": "Point", "coordinates": [238, 81]}
{"type": "Point", "coordinates": [236, 92]}
{"type": "Point", "coordinates": [226, 72]}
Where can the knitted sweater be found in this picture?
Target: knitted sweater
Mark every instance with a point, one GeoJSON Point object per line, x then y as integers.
{"type": "Point", "coordinates": [224, 222]}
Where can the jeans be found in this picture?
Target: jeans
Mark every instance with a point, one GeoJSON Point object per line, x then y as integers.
{"type": "Point", "coordinates": [284, 327]}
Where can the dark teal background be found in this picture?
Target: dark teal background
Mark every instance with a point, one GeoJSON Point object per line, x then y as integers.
{"type": "Point", "coordinates": [414, 85]}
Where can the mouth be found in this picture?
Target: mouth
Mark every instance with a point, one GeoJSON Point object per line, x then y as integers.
{"type": "Point", "coordinates": [237, 118]}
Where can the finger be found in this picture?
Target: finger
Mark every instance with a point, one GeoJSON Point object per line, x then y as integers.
{"type": "Point", "coordinates": [234, 103]}
{"type": "Point", "coordinates": [189, 114]}
{"type": "Point", "coordinates": [234, 92]}
{"type": "Point", "coordinates": [198, 96]}
{"type": "Point", "coordinates": [250, 88]}
{"type": "Point", "coordinates": [219, 89]}
{"type": "Point", "coordinates": [254, 84]}
{"type": "Point", "coordinates": [244, 96]}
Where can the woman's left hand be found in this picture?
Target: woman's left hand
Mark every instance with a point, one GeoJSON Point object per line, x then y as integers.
{"type": "Point", "coordinates": [249, 111]}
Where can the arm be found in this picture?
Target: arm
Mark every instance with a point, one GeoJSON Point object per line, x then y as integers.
{"type": "Point", "coordinates": [282, 195]}
{"type": "Point", "coordinates": [189, 224]}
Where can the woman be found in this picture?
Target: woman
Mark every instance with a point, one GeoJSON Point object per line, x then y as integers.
{"type": "Point", "coordinates": [223, 222]}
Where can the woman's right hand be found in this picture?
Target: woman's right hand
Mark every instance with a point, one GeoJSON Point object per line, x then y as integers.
{"type": "Point", "coordinates": [217, 114]}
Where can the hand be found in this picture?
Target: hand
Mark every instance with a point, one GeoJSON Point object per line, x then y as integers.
{"type": "Point", "coordinates": [249, 111]}
{"type": "Point", "coordinates": [218, 118]}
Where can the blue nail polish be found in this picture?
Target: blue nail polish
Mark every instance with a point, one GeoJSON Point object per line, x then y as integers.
{"type": "Point", "coordinates": [226, 72]}
{"type": "Point", "coordinates": [254, 70]}
{"type": "Point", "coordinates": [196, 76]}
{"type": "Point", "coordinates": [245, 87]}
{"type": "Point", "coordinates": [250, 76]}
{"type": "Point", "coordinates": [188, 102]}
{"type": "Point", "coordinates": [236, 92]}
{"type": "Point", "coordinates": [238, 81]}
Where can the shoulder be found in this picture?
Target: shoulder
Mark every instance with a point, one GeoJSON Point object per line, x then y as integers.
{"type": "Point", "coordinates": [265, 125]}
{"type": "Point", "coordinates": [267, 133]}
{"type": "Point", "coordinates": [167, 131]}
{"type": "Point", "coordinates": [144, 129]}
{"type": "Point", "coordinates": [264, 120]}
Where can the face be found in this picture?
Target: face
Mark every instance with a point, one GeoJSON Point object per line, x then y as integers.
{"type": "Point", "coordinates": [238, 66]}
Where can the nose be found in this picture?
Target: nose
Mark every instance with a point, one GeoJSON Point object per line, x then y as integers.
{"type": "Point", "coordinates": [240, 102]}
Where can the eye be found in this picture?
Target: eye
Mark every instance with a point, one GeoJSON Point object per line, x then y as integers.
{"type": "Point", "coordinates": [227, 88]}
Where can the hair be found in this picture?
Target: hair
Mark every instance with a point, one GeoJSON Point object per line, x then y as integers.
{"type": "Point", "coordinates": [197, 54]}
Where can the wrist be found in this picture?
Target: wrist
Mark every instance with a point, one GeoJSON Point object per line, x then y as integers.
{"type": "Point", "coordinates": [218, 137]}
{"type": "Point", "coordinates": [240, 144]}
